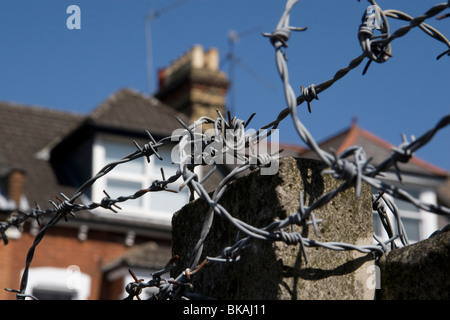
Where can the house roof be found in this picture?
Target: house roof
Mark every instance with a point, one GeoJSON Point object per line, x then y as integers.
{"type": "Point", "coordinates": [29, 133]}
{"type": "Point", "coordinates": [148, 255]}
{"type": "Point", "coordinates": [374, 147]}
{"type": "Point", "coordinates": [130, 110]}
{"type": "Point", "coordinates": [25, 130]}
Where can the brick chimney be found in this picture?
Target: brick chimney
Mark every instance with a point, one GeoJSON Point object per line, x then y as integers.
{"type": "Point", "coordinates": [193, 84]}
{"type": "Point", "coordinates": [16, 184]}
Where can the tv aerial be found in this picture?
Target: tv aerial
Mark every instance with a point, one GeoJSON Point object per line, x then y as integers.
{"type": "Point", "coordinates": [152, 15]}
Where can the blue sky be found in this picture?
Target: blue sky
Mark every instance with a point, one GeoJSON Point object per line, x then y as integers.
{"type": "Point", "coordinates": [43, 63]}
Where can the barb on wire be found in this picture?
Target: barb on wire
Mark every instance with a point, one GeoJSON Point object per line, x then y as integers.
{"type": "Point", "coordinates": [378, 51]}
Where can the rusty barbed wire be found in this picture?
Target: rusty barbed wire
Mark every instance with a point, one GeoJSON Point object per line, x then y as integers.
{"type": "Point", "coordinates": [230, 138]}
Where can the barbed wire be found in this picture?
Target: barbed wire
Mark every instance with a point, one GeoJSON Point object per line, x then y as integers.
{"type": "Point", "coordinates": [341, 168]}
{"type": "Point", "coordinates": [230, 138]}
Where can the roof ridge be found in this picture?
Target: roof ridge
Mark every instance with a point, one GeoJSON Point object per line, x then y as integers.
{"type": "Point", "coordinates": [386, 144]}
{"type": "Point", "coordinates": [38, 108]}
{"type": "Point", "coordinates": [350, 136]}
{"type": "Point", "coordinates": [104, 107]}
{"type": "Point", "coordinates": [122, 93]}
{"type": "Point", "coordinates": [350, 139]}
{"type": "Point", "coordinates": [106, 103]}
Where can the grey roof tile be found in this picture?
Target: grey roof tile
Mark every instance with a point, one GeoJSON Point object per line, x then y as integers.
{"type": "Point", "coordinates": [130, 110]}
{"type": "Point", "coordinates": [24, 131]}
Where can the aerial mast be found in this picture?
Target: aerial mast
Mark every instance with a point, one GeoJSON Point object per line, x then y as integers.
{"type": "Point", "coordinates": [152, 15]}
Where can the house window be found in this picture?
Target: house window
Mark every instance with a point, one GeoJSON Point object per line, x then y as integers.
{"type": "Point", "coordinates": [53, 293]}
{"type": "Point", "coordinates": [411, 217]}
{"type": "Point", "coordinates": [128, 178]}
{"type": "Point", "coordinates": [412, 227]}
{"type": "Point", "coordinates": [50, 283]}
{"type": "Point", "coordinates": [417, 223]}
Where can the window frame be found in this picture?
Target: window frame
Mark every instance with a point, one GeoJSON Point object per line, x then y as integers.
{"type": "Point", "coordinates": [63, 280]}
{"type": "Point", "coordinates": [151, 172]}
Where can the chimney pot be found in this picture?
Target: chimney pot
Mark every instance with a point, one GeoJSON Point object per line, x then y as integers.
{"type": "Point", "coordinates": [212, 59]}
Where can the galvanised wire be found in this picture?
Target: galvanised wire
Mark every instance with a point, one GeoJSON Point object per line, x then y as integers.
{"type": "Point", "coordinates": [311, 92]}
{"type": "Point", "coordinates": [351, 172]}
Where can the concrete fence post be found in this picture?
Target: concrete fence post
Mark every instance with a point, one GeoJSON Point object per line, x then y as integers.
{"type": "Point", "coordinates": [420, 271]}
{"type": "Point", "coordinates": [275, 270]}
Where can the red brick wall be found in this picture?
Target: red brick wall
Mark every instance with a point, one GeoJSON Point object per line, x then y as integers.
{"type": "Point", "coordinates": [60, 248]}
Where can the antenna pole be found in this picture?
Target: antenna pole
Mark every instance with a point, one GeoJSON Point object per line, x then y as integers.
{"type": "Point", "coordinates": [152, 15]}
